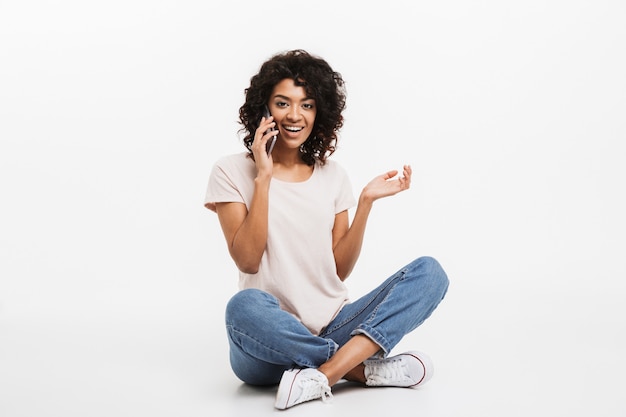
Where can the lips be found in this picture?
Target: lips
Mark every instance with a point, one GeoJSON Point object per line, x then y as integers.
{"type": "Point", "coordinates": [293, 129]}
{"type": "Point", "coordinates": [291, 132]}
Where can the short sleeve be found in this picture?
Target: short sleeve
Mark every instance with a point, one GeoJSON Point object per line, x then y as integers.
{"type": "Point", "coordinates": [223, 184]}
{"type": "Point", "coordinates": [345, 196]}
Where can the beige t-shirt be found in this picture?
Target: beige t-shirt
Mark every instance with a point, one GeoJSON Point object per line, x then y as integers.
{"type": "Point", "coordinates": [298, 266]}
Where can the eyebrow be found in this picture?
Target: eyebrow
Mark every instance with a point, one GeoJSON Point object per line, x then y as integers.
{"type": "Point", "coordinates": [289, 99]}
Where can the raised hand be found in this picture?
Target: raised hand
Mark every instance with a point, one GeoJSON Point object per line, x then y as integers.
{"type": "Point", "coordinates": [387, 184]}
{"type": "Point", "coordinates": [261, 136]}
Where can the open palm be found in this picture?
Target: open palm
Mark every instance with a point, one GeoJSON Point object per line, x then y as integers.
{"type": "Point", "coordinates": [388, 184]}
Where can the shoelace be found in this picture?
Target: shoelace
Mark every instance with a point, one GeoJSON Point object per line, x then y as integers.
{"type": "Point", "coordinates": [388, 371]}
{"type": "Point", "coordinates": [311, 390]}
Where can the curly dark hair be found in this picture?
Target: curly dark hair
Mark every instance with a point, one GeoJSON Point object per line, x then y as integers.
{"type": "Point", "coordinates": [320, 82]}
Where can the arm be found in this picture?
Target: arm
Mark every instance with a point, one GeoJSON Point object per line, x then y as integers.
{"type": "Point", "coordinates": [348, 240]}
{"type": "Point", "coordinates": [246, 230]}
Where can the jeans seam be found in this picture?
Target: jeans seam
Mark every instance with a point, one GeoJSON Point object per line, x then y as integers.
{"type": "Point", "coordinates": [400, 274]}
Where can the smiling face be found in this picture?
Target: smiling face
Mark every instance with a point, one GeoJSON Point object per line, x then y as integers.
{"type": "Point", "coordinates": [293, 112]}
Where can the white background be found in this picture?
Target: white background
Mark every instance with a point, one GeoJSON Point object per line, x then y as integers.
{"type": "Point", "coordinates": [113, 277]}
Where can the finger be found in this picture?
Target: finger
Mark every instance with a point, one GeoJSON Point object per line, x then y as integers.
{"type": "Point", "coordinates": [405, 180]}
{"type": "Point", "coordinates": [265, 123]}
{"type": "Point", "coordinates": [408, 171]}
{"type": "Point", "coordinates": [390, 174]}
{"type": "Point", "coordinates": [263, 133]}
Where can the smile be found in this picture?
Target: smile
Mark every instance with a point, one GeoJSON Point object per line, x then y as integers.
{"type": "Point", "coordinates": [293, 128]}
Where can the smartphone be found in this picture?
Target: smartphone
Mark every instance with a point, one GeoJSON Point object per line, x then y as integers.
{"type": "Point", "coordinates": [272, 141]}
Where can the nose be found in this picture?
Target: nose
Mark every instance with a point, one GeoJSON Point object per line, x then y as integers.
{"type": "Point", "coordinates": [294, 113]}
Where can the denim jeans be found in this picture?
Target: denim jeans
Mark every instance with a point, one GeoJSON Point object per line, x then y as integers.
{"type": "Point", "coordinates": [265, 340]}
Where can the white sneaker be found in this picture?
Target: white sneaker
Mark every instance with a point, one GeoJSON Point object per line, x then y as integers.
{"type": "Point", "coordinates": [408, 369]}
{"type": "Point", "coordinates": [300, 385]}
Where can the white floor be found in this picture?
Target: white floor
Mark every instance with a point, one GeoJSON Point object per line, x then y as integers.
{"type": "Point", "coordinates": [496, 365]}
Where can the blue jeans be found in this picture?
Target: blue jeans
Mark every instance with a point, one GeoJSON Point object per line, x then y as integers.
{"type": "Point", "coordinates": [265, 340]}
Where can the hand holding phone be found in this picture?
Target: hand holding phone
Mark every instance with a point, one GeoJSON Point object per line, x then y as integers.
{"type": "Point", "coordinates": [272, 141]}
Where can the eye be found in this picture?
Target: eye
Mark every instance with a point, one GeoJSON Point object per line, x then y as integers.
{"type": "Point", "coordinates": [308, 106]}
{"type": "Point", "coordinates": [281, 104]}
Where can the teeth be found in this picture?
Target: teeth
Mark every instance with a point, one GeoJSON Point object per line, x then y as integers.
{"type": "Point", "coordinates": [293, 129]}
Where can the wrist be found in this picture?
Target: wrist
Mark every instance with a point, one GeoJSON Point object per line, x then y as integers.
{"type": "Point", "coordinates": [262, 179]}
{"type": "Point", "coordinates": [365, 199]}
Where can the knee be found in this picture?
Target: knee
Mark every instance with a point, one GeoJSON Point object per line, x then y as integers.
{"type": "Point", "coordinates": [433, 275]}
{"type": "Point", "coordinates": [248, 303]}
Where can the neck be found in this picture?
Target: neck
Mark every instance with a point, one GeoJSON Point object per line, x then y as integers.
{"type": "Point", "coordinates": [287, 159]}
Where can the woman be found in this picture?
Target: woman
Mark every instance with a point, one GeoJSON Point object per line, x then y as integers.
{"type": "Point", "coordinates": [284, 215]}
